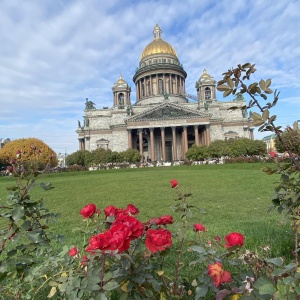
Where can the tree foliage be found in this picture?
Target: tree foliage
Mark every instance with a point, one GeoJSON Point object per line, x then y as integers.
{"type": "Point", "coordinates": [101, 156]}
{"type": "Point", "coordinates": [28, 149]}
{"type": "Point", "coordinates": [291, 137]}
{"type": "Point", "coordinates": [229, 148]}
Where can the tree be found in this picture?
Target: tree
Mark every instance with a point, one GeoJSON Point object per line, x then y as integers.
{"type": "Point", "coordinates": [131, 155]}
{"type": "Point", "coordinates": [27, 151]}
{"type": "Point", "coordinates": [291, 138]}
{"type": "Point", "coordinates": [80, 158]}
{"type": "Point", "coordinates": [198, 152]}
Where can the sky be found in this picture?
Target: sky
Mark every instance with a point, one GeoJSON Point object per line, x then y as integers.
{"type": "Point", "coordinates": [55, 54]}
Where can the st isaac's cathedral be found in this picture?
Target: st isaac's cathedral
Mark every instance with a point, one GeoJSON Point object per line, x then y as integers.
{"type": "Point", "coordinates": [165, 120]}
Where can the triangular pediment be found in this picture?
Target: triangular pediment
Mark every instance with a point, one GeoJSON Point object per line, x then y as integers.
{"type": "Point", "coordinates": [168, 111]}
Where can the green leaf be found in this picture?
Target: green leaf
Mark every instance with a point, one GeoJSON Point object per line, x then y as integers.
{"type": "Point", "coordinates": [18, 213]}
{"type": "Point", "coordinates": [46, 186]}
{"type": "Point", "coordinates": [265, 115]}
{"type": "Point", "coordinates": [268, 82]}
{"type": "Point", "coordinates": [111, 286]}
{"type": "Point", "coordinates": [35, 236]}
{"type": "Point", "coordinates": [230, 82]}
{"type": "Point", "coordinates": [255, 116]}
{"type": "Point", "coordinates": [275, 261]}
{"type": "Point", "coordinates": [267, 289]}
{"type": "Point", "coordinates": [222, 88]}
{"type": "Point", "coordinates": [197, 249]}
{"type": "Point", "coordinates": [262, 84]}
{"type": "Point", "coordinates": [227, 93]}
{"type": "Point", "coordinates": [201, 292]}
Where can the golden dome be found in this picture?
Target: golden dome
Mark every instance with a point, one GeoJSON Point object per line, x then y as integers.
{"type": "Point", "coordinates": [121, 80]}
{"type": "Point", "coordinates": [205, 75]}
{"type": "Point", "coordinates": [158, 45]}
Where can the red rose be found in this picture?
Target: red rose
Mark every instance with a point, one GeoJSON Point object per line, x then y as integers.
{"type": "Point", "coordinates": [88, 211]}
{"type": "Point", "coordinates": [99, 242]}
{"type": "Point", "coordinates": [131, 210]}
{"type": "Point", "coordinates": [112, 211]}
{"type": "Point", "coordinates": [174, 183]}
{"type": "Point", "coordinates": [234, 238]}
{"type": "Point", "coordinates": [164, 220]}
{"type": "Point", "coordinates": [73, 251]}
{"type": "Point", "coordinates": [217, 238]}
{"type": "Point", "coordinates": [158, 240]}
{"type": "Point", "coordinates": [120, 237]}
{"type": "Point", "coordinates": [84, 260]}
{"type": "Point", "coordinates": [218, 274]}
{"type": "Point", "coordinates": [199, 227]}
{"type": "Point", "coordinates": [136, 227]}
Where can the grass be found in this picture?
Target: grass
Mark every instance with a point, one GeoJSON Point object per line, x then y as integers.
{"type": "Point", "coordinates": [236, 197]}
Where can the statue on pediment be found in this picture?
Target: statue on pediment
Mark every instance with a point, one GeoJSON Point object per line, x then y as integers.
{"type": "Point", "coordinates": [89, 104]}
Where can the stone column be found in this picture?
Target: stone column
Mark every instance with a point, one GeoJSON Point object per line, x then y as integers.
{"type": "Point", "coordinates": [137, 92]}
{"type": "Point", "coordinates": [164, 83]}
{"type": "Point", "coordinates": [176, 84]}
{"type": "Point", "coordinates": [152, 144]}
{"type": "Point", "coordinates": [163, 143]}
{"type": "Point", "coordinates": [129, 138]}
{"type": "Point", "coordinates": [157, 88]}
{"type": "Point", "coordinates": [151, 89]}
{"type": "Point", "coordinates": [171, 84]}
{"type": "Point", "coordinates": [185, 140]}
{"type": "Point", "coordinates": [251, 134]}
{"type": "Point", "coordinates": [208, 134]}
{"type": "Point", "coordinates": [174, 143]}
{"type": "Point", "coordinates": [196, 135]}
{"type": "Point", "coordinates": [180, 87]}
{"type": "Point", "coordinates": [141, 142]}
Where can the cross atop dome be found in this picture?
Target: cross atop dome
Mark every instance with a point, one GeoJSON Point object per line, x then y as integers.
{"type": "Point", "coordinates": [157, 32]}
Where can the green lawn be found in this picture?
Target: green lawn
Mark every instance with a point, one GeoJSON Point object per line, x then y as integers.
{"type": "Point", "coordinates": [235, 196]}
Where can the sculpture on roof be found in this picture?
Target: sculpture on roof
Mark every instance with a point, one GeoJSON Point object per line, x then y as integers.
{"type": "Point", "coordinates": [89, 104]}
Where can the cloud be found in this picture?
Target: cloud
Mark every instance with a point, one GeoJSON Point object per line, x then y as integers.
{"type": "Point", "coordinates": [54, 54]}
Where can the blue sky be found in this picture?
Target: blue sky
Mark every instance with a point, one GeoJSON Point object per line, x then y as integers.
{"type": "Point", "coordinates": [54, 54]}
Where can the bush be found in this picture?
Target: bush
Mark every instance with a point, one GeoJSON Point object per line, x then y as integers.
{"type": "Point", "coordinates": [30, 151]}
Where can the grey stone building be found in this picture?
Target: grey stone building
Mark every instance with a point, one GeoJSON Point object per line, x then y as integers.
{"type": "Point", "coordinates": [165, 120]}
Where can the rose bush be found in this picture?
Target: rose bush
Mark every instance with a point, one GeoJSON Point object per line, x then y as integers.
{"type": "Point", "coordinates": [128, 259]}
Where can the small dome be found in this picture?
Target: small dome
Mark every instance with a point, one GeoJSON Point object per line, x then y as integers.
{"type": "Point", "coordinates": [158, 45]}
{"type": "Point", "coordinates": [120, 81]}
{"type": "Point", "coordinates": [205, 75]}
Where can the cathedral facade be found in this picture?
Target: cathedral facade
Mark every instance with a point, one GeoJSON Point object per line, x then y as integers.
{"type": "Point", "coordinates": [165, 120]}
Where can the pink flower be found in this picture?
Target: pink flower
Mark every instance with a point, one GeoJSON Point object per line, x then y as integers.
{"type": "Point", "coordinates": [174, 183]}
{"type": "Point", "coordinates": [199, 227]}
{"type": "Point", "coordinates": [73, 251]}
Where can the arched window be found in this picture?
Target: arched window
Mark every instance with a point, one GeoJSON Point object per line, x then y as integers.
{"type": "Point", "coordinates": [121, 99]}
{"type": "Point", "coordinates": [207, 93]}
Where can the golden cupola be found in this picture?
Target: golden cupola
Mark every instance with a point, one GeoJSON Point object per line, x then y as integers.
{"type": "Point", "coordinates": [158, 45]}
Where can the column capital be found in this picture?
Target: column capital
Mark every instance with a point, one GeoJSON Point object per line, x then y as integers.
{"type": "Point", "coordinates": [151, 129]}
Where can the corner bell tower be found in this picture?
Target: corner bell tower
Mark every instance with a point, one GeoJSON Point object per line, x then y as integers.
{"type": "Point", "coordinates": [206, 88]}
{"type": "Point", "coordinates": [121, 91]}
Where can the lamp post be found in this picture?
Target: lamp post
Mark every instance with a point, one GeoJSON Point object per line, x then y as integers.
{"type": "Point", "coordinates": [65, 157]}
